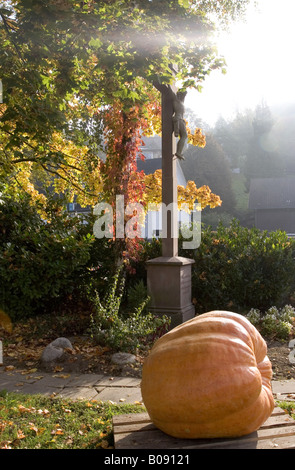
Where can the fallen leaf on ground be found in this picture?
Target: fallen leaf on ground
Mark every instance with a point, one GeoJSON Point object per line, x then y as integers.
{"type": "Point", "coordinates": [37, 430]}
{"type": "Point", "coordinates": [104, 444]}
{"type": "Point", "coordinates": [29, 371]}
{"type": "Point", "coordinates": [57, 431]}
{"type": "Point", "coordinates": [62, 376]}
{"type": "Point", "coordinates": [20, 434]}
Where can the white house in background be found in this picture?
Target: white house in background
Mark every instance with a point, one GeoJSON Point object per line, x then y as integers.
{"type": "Point", "coordinates": [153, 161]}
{"type": "Point", "coordinates": [153, 220]}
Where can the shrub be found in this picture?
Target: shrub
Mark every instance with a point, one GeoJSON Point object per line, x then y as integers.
{"type": "Point", "coordinates": [137, 294]}
{"type": "Point", "coordinates": [242, 268]}
{"type": "Point", "coordinates": [274, 323]}
{"type": "Point", "coordinates": [123, 332]}
{"type": "Point", "coordinates": [42, 262]}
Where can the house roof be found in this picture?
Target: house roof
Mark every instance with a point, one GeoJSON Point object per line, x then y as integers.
{"type": "Point", "coordinates": [272, 193]}
{"type": "Point", "coordinates": [151, 165]}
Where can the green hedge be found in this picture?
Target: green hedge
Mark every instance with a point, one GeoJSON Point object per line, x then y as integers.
{"type": "Point", "coordinates": [236, 268]}
{"type": "Point", "coordinates": [41, 263]}
{"type": "Point", "coordinates": [242, 268]}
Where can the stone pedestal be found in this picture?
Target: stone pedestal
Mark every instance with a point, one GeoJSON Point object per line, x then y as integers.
{"type": "Point", "coordinates": [169, 276]}
{"type": "Point", "coordinates": [169, 285]}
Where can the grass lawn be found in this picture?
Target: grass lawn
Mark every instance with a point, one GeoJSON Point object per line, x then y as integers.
{"type": "Point", "coordinates": [38, 422]}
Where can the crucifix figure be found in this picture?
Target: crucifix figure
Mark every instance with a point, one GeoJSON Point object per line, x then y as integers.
{"type": "Point", "coordinates": [178, 122]}
{"type": "Point", "coordinates": [169, 276]}
{"type": "Point", "coordinates": [176, 98]}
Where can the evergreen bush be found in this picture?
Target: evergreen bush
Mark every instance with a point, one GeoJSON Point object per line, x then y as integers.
{"type": "Point", "coordinates": [42, 262]}
{"type": "Point", "coordinates": [242, 268]}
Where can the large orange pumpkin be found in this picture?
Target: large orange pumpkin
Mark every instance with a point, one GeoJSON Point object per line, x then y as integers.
{"type": "Point", "coordinates": [209, 377]}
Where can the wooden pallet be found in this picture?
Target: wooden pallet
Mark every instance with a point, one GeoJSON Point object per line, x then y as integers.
{"type": "Point", "coordinates": [136, 431]}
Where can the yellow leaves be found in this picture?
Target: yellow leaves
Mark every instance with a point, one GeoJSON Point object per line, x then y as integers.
{"type": "Point", "coordinates": [3, 108]}
{"type": "Point", "coordinates": [188, 195]}
{"type": "Point", "coordinates": [60, 162]}
{"type": "Point", "coordinates": [57, 431]}
{"type": "Point", "coordinates": [37, 431]}
{"type": "Point", "coordinates": [197, 138]}
{"type": "Point", "coordinates": [62, 376]}
{"type": "Point", "coordinates": [153, 187]}
{"type": "Point", "coordinates": [23, 409]}
{"type": "Point", "coordinates": [5, 322]}
{"type": "Point", "coordinates": [202, 195]}
{"type": "Point", "coordinates": [153, 123]}
{"type": "Point", "coordinates": [20, 434]}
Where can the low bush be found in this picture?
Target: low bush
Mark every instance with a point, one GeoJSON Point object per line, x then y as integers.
{"type": "Point", "coordinates": [242, 268]}
{"type": "Point", "coordinates": [43, 262]}
{"type": "Point", "coordinates": [121, 331]}
{"type": "Point", "coordinates": [275, 323]}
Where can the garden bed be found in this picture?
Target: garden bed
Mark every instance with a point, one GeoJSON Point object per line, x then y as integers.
{"type": "Point", "coordinates": [90, 358]}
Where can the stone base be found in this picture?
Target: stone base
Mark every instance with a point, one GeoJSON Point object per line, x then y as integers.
{"type": "Point", "coordinates": [169, 286]}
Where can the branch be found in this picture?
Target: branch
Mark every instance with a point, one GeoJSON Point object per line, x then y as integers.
{"type": "Point", "coordinates": [68, 180]}
{"type": "Point", "coordinates": [36, 150]}
{"type": "Point", "coordinates": [21, 160]}
{"type": "Point", "coordinates": [8, 33]}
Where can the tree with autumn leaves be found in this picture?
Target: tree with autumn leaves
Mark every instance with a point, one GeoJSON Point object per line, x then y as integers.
{"type": "Point", "coordinates": [78, 90]}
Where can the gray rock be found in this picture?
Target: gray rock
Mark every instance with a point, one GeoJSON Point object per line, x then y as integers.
{"type": "Point", "coordinates": [123, 358]}
{"type": "Point", "coordinates": [55, 350]}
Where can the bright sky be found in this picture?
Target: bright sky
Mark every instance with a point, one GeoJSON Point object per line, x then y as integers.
{"type": "Point", "coordinates": [260, 64]}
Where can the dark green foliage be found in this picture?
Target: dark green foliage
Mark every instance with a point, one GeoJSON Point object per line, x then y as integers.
{"type": "Point", "coordinates": [44, 264]}
{"type": "Point", "coordinates": [136, 294]}
{"type": "Point", "coordinates": [124, 332]}
{"type": "Point", "coordinates": [41, 263]}
{"type": "Point", "coordinates": [236, 268]}
{"type": "Point", "coordinates": [242, 268]}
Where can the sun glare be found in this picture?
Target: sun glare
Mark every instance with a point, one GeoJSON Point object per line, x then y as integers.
{"type": "Point", "coordinates": [260, 65]}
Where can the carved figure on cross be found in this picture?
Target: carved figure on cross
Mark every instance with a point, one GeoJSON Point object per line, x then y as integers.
{"type": "Point", "coordinates": [179, 122]}
{"type": "Point", "coordinates": [179, 126]}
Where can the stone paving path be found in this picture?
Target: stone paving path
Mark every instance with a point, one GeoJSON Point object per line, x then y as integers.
{"type": "Point", "coordinates": [74, 386]}
{"type": "Point", "coordinates": [96, 386]}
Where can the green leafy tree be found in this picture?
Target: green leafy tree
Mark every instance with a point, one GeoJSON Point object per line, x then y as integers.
{"type": "Point", "coordinates": [63, 62]}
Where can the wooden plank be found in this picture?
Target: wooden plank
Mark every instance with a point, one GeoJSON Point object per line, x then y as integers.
{"type": "Point", "coordinates": [159, 440]}
{"type": "Point", "coordinates": [136, 431]}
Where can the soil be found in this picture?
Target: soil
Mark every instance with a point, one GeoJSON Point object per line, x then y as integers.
{"type": "Point", "coordinates": [23, 347]}
{"type": "Point", "coordinates": [90, 358]}
{"type": "Point", "coordinates": [278, 353]}
{"type": "Point", "coordinates": [86, 358]}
